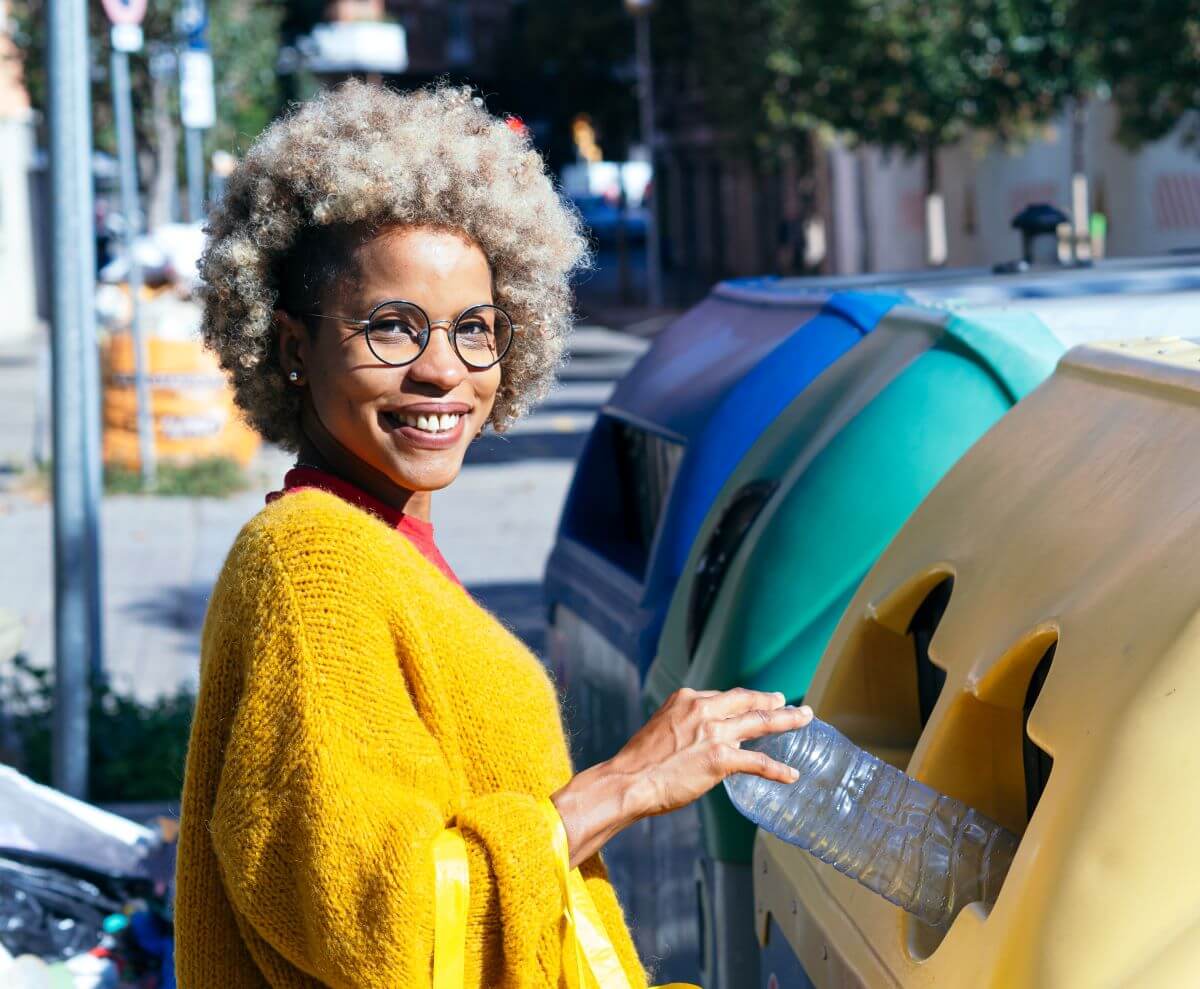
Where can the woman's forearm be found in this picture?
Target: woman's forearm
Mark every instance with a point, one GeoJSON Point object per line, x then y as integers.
{"type": "Point", "coordinates": [597, 804]}
{"type": "Point", "coordinates": [686, 748]}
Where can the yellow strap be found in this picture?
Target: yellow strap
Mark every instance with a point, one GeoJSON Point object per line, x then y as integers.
{"type": "Point", "coordinates": [573, 961]}
{"type": "Point", "coordinates": [586, 939]}
{"type": "Point", "coordinates": [593, 938]}
{"type": "Point", "coordinates": [452, 894]}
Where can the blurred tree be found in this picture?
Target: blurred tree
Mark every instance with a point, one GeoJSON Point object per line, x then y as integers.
{"type": "Point", "coordinates": [567, 59]}
{"type": "Point", "coordinates": [916, 75]}
{"type": "Point", "coordinates": [730, 44]}
{"type": "Point", "coordinates": [1150, 57]}
{"type": "Point", "coordinates": [244, 36]}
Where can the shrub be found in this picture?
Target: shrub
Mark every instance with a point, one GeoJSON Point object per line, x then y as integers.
{"type": "Point", "coordinates": [137, 748]}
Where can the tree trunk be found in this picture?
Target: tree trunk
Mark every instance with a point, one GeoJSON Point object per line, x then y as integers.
{"type": "Point", "coordinates": [164, 190]}
{"type": "Point", "coordinates": [935, 211]}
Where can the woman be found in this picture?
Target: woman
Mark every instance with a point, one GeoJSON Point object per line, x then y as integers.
{"type": "Point", "coordinates": [387, 276]}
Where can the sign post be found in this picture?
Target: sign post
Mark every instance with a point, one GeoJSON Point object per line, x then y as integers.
{"type": "Point", "coordinates": [197, 101]}
{"type": "Point", "coordinates": [126, 17]}
{"type": "Point", "coordinates": [73, 336]}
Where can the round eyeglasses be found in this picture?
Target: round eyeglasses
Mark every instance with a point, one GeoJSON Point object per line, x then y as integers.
{"type": "Point", "coordinates": [398, 332]}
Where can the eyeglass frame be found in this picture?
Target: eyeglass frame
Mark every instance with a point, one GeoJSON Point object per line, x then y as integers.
{"type": "Point", "coordinates": [364, 326]}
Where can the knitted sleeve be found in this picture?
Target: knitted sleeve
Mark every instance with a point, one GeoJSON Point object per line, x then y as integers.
{"type": "Point", "coordinates": [333, 788]}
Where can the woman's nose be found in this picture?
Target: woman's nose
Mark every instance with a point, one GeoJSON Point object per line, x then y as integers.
{"type": "Point", "coordinates": [439, 364]}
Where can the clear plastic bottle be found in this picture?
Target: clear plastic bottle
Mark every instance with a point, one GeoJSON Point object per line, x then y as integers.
{"type": "Point", "coordinates": [923, 851]}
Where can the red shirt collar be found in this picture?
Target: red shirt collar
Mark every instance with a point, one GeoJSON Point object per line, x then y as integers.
{"type": "Point", "coordinates": [418, 531]}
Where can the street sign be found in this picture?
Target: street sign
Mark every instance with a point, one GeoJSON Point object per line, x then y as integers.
{"type": "Point", "coordinates": [197, 101]}
{"type": "Point", "coordinates": [126, 37]}
{"type": "Point", "coordinates": [125, 11]}
{"type": "Point", "coordinates": [192, 22]}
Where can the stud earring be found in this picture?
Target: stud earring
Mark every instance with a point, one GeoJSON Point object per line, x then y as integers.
{"type": "Point", "coordinates": [293, 376]}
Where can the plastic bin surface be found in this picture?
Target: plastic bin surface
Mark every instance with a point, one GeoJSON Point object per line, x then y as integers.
{"type": "Point", "coordinates": [1069, 648]}
{"type": "Point", "coordinates": [751, 405]}
{"type": "Point", "coordinates": [701, 363]}
{"type": "Point", "coordinates": [852, 456]}
{"type": "Point", "coordinates": [723, 358]}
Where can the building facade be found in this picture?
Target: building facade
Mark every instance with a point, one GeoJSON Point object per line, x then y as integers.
{"type": "Point", "coordinates": [18, 180]}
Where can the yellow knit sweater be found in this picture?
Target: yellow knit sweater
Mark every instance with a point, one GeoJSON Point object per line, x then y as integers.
{"type": "Point", "coordinates": [353, 704]}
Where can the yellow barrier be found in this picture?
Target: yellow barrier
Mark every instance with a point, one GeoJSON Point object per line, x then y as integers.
{"type": "Point", "coordinates": [191, 404]}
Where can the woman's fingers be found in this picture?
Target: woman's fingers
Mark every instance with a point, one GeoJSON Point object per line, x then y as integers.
{"type": "Point", "coordinates": [734, 760]}
{"type": "Point", "coordinates": [755, 724]}
{"type": "Point", "coordinates": [731, 703]}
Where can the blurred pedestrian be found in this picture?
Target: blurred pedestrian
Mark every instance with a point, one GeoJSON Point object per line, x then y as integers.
{"type": "Point", "coordinates": [387, 276]}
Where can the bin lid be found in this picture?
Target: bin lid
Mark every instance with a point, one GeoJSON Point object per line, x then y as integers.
{"type": "Point", "coordinates": [691, 365]}
{"type": "Point", "coordinates": [755, 401]}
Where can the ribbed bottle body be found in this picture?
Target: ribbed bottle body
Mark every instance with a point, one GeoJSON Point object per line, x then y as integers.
{"type": "Point", "coordinates": [928, 853]}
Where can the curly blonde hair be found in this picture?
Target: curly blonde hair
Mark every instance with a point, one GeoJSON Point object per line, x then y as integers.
{"type": "Point", "coordinates": [361, 157]}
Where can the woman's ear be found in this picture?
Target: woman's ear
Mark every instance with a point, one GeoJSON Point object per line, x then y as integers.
{"type": "Point", "coordinates": [294, 345]}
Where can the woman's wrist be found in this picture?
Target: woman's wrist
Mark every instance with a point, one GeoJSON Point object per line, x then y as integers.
{"type": "Point", "coordinates": [596, 805]}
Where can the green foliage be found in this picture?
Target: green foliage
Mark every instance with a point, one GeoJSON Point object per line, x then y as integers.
{"type": "Point", "coordinates": [245, 39]}
{"type": "Point", "coordinates": [1151, 61]}
{"type": "Point", "coordinates": [731, 44]}
{"type": "Point", "coordinates": [212, 477]}
{"type": "Point", "coordinates": [244, 36]}
{"type": "Point", "coordinates": [917, 74]}
{"type": "Point", "coordinates": [137, 748]}
{"type": "Point", "coordinates": [1051, 57]}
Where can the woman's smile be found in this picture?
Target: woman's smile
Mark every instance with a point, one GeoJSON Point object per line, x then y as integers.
{"type": "Point", "coordinates": [426, 426]}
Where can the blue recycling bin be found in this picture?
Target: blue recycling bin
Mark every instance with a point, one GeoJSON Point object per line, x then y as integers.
{"type": "Point", "coordinates": [663, 445]}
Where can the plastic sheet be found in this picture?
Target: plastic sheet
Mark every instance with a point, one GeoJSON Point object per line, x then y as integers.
{"type": "Point", "coordinates": [38, 818]}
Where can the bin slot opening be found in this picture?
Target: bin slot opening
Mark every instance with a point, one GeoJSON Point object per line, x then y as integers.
{"type": "Point", "coordinates": [930, 677]}
{"type": "Point", "coordinates": [620, 491]}
{"type": "Point", "coordinates": [723, 543]}
{"type": "Point", "coordinates": [981, 753]}
{"type": "Point", "coordinates": [1038, 762]}
{"type": "Point", "coordinates": [883, 686]}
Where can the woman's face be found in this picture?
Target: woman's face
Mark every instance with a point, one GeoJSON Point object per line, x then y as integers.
{"type": "Point", "coordinates": [370, 407]}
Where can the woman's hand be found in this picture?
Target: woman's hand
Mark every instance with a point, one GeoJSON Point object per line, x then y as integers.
{"type": "Point", "coordinates": [689, 746]}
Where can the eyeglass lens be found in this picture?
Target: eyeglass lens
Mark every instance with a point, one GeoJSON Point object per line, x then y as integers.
{"type": "Point", "coordinates": [398, 332]}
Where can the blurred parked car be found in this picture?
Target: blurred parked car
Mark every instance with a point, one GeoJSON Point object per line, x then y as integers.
{"type": "Point", "coordinates": [605, 219]}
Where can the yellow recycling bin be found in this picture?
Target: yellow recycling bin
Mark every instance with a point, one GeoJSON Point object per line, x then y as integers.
{"type": "Point", "coordinates": [1030, 644]}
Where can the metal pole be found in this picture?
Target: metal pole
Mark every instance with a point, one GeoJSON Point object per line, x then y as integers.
{"type": "Point", "coordinates": [73, 327]}
{"type": "Point", "coordinates": [131, 209]}
{"type": "Point", "coordinates": [195, 173]}
{"type": "Point", "coordinates": [94, 485]}
{"type": "Point", "coordinates": [646, 108]}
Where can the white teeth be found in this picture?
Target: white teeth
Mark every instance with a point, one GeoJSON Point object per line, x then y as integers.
{"type": "Point", "coordinates": [430, 424]}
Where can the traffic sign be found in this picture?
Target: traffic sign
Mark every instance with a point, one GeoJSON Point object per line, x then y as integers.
{"type": "Point", "coordinates": [125, 11]}
{"type": "Point", "coordinates": [126, 37]}
{"type": "Point", "coordinates": [197, 102]}
{"type": "Point", "coordinates": [191, 20]}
